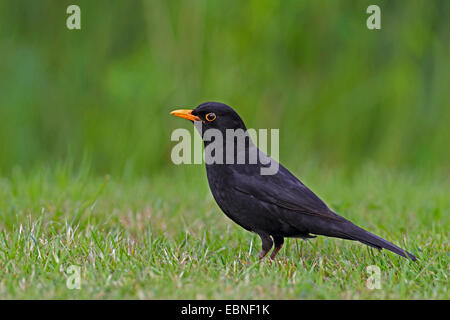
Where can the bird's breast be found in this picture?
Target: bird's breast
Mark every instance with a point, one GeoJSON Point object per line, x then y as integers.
{"type": "Point", "coordinates": [244, 209]}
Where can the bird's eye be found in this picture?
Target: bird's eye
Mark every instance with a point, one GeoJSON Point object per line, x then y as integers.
{"type": "Point", "coordinates": [211, 116]}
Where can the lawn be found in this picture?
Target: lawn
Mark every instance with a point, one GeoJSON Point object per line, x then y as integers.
{"type": "Point", "coordinates": [163, 237]}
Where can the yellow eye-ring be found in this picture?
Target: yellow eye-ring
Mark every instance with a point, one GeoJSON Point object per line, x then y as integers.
{"type": "Point", "coordinates": [211, 117]}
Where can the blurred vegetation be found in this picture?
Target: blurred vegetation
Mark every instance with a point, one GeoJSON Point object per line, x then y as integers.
{"type": "Point", "coordinates": [342, 95]}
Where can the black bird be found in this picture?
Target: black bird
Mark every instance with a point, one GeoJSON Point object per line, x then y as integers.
{"type": "Point", "coordinates": [274, 206]}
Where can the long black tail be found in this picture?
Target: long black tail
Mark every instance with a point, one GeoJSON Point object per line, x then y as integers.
{"type": "Point", "coordinates": [353, 232]}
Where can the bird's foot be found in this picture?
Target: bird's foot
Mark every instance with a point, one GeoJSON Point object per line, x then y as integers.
{"type": "Point", "coordinates": [263, 254]}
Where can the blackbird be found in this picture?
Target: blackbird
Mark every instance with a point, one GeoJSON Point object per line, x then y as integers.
{"type": "Point", "coordinates": [274, 205]}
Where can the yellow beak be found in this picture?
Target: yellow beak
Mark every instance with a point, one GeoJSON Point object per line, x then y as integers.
{"type": "Point", "coordinates": [186, 114]}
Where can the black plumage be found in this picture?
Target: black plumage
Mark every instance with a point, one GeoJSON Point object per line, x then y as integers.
{"type": "Point", "coordinates": [273, 206]}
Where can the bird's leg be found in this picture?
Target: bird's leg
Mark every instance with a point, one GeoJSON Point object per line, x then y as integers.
{"type": "Point", "coordinates": [267, 244]}
{"type": "Point", "coordinates": [278, 244]}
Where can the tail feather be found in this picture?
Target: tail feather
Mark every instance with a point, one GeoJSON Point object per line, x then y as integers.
{"type": "Point", "coordinates": [359, 234]}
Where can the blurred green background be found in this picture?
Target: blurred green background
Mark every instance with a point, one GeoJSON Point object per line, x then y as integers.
{"type": "Point", "coordinates": [342, 95]}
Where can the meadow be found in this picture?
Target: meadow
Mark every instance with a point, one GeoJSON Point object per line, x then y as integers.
{"type": "Point", "coordinates": [86, 178]}
{"type": "Point", "coordinates": [165, 238]}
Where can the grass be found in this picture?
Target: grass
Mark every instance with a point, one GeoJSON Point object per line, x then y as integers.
{"type": "Point", "coordinates": [164, 237]}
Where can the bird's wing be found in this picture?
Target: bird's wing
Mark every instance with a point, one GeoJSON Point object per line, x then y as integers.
{"type": "Point", "coordinates": [284, 190]}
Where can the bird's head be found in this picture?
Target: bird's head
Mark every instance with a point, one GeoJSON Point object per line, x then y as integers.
{"type": "Point", "coordinates": [213, 115]}
{"type": "Point", "coordinates": [221, 127]}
